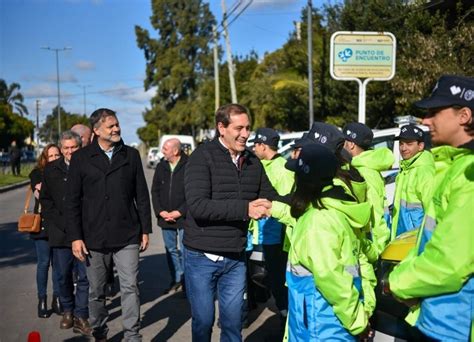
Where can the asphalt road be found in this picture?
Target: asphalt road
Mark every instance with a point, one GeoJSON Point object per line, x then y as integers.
{"type": "Point", "coordinates": [164, 317]}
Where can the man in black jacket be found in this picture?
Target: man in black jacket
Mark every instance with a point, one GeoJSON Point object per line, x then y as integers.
{"type": "Point", "coordinates": [109, 217]}
{"type": "Point", "coordinates": [167, 194]}
{"type": "Point", "coordinates": [225, 187]}
{"type": "Point", "coordinates": [53, 202]}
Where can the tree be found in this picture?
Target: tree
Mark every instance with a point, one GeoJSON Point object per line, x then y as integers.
{"type": "Point", "coordinates": [427, 47]}
{"type": "Point", "coordinates": [10, 96]}
{"type": "Point", "coordinates": [13, 127]}
{"type": "Point", "coordinates": [49, 130]}
{"type": "Point", "coordinates": [177, 63]}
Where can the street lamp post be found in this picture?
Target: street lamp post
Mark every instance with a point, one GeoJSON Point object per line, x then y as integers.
{"type": "Point", "coordinates": [56, 50]}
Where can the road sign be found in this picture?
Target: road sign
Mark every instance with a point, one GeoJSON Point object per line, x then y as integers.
{"type": "Point", "coordinates": [363, 55]}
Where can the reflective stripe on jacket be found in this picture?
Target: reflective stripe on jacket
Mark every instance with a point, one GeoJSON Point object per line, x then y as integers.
{"type": "Point", "coordinates": [413, 192]}
{"type": "Point", "coordinates": [326, 301]}
{"type": "Point", "coordinates": [440, 270]}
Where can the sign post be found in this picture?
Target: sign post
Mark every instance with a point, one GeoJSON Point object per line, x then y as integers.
{"type": "Point", "coordinates": [367, 56]}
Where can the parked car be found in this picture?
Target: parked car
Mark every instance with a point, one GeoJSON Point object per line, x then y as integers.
{"type": "Point", "coordinates": [389, 315]}
{"type": "Point", "coordinates": [28, 156]}
{"type": "Point", "coordinates": [152, 157]}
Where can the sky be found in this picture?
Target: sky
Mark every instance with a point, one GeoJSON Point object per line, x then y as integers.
{"type": "Point", "coordinates": [104, 62]}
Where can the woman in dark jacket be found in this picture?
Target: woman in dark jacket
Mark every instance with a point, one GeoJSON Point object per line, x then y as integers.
{"type": "Point", "coordinates": [43, 252]}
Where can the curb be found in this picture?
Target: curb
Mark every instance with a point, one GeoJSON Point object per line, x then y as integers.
{"type": "Point", "coordinates": [14, 186]}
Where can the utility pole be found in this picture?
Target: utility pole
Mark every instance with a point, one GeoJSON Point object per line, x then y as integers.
{"type": "Point", "coordinates": [216, 68]}
{"type": "Point", "coordinates": [37, 122]}
{"type": "Point", "coordinates": [310, 62]}
{"type": "Point", "coordinates": [56, 50]}
{"type": "Point", "coordinates": [84, 97]}
{"type": "Point", "coordinates": [230, 64]}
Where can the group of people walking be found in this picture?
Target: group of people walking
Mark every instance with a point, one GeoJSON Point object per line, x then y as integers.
{"type": "Point", "coordinates": [95, 210]}
{"type": "Point", "coordinates": [319, 221]}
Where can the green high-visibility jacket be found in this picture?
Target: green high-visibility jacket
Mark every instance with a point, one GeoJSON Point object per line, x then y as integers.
{"type": "Point", "coordinates": [323, 243]}
{"type": "Point", "coordinates": [358, 191]}
{"type": "Point", "coordinates": [269, 230]}
{"type": "Point", "coordinates": [370, 163]}
{"type": "Point", "coordinates": [413, 191]}
{"type": "Point", "coordinates": [440, 269]}
{"type": "Point", "coordinates": [282, 212]}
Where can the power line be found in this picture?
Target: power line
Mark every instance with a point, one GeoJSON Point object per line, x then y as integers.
{"type": "Point", "coordinates": [98, 92]}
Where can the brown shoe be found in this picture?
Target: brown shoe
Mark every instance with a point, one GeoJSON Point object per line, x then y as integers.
{"type": "Point", "coordinates": [66, 321]}
{"type": "Point", "coordinates": [82, 326]}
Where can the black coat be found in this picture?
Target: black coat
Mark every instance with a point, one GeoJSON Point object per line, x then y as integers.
{"type": "Point", "coordinates": [52, 199]}
{"type": "Point", "coordinates": [36, 177]}
{"type": "Point", "coordinates": [167, 191]}
{"type": "Point", "coordinates": [108, 201]}
{"type": "Point", "coordinates": [217, 196]}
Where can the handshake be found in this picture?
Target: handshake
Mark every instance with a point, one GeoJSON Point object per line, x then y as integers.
{"type": "Point", "coordinates": [260, 208]}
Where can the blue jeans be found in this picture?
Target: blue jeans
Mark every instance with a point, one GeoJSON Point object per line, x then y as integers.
{"type": "Point", "coordinates": [204, 278]}
{"type": "Point", "coordinates": [174, 256]}
{"type": "Point", "coordinates": [66, 262]}
{"type": "Point", "coordinates": [44, 256]}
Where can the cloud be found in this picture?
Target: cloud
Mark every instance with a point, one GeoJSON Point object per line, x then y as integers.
{"type": "Point", "coordinates": [41, 90]}
{"type": "Point", "coordinates": [64, 76]}
{"type": "Point", "coordinates": [85, 65]}
{"type": "Point", "coordinates": [272, 3]}
{"type": "Point", "coordinates": [124, 92]}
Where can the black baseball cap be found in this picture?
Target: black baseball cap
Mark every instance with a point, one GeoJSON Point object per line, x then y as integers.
{"type": "Point", "coordinates": [326, 135]}
{"type": "Point", "coordinates": [450, 91]}
{"type": "Point", "coordinates": [359, 134]}
{"type": "Point", "coordinates": [314, 162]}
{"type": "Point", "coordinates": [266, 136]}
{"type": "Point", "coordinates": [301, 141]}
{"type": "Point", "coordinates": [410, 132]}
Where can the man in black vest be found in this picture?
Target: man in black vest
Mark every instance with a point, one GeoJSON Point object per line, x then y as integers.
{"type": "Point", "coordinates": [225, 186]}
{"type": "Point", "coordinates": [109, 217]}
{"type": "Point", "coordinates": [167, 194]}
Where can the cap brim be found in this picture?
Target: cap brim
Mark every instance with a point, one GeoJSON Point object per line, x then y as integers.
{"type": "Point", "coordinates": [292, 164]}
{"type": "Point", "coordinates": [417, 138]}
{"type": "Point", "coordinates": [435, 102]}
{"type": "Point", "coordinates": [302, 142]}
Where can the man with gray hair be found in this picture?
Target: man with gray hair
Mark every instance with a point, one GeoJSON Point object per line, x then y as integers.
{"type": "Point", "coordinates": [52, 199]}
{"type": "Point", "coordinates": [109, 217]}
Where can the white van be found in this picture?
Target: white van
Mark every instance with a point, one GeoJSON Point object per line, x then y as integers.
{"type": "Point", "coordinates": [187, 143]}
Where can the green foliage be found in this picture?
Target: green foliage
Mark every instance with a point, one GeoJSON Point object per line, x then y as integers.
{"type": "Point", "coordinates": [177, 62]}
{"type": "Point", "coordinates": [48, 132]}
{"type": "Point", "coordinates": [10, 96]}
{"type": "Point", "coordinates": [430, 43]}
{"type": "Point", "coordinates": [426, 49]}
{"type": "Point", "coordinates": [13, 127]}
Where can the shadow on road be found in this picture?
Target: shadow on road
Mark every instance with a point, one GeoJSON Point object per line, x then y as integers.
{"type": "Point", "coordinates": [153, 280]}
{"type": "Point", "coordinates": [16, 248]}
